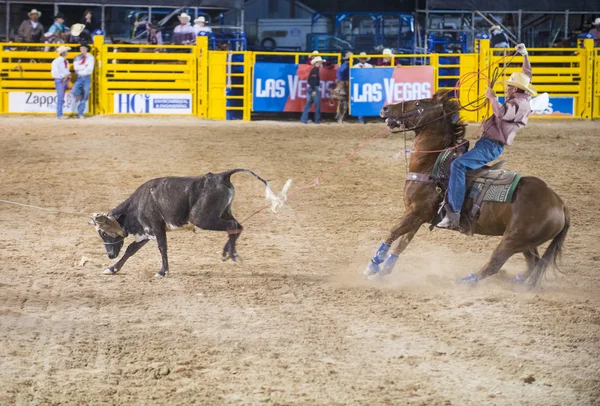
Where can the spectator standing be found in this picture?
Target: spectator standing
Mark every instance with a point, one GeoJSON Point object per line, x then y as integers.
{"type": "Point", "coordinates": [362, 63]}
{"type": "Point", "coordinates": [498, 39]}
{"type": "Point", "coordinates": [31, 30]}
{"type": "Point", "coordinates": [86, 20]}
{"type": "Point", "coordinates": [61, 74]}
{"type": "Point", "coordinates": [79, 34]}
{"type": "Point", "coordinates": [313, 92]}
{"type": "Point", "coordinates": [184, 33]}
{"type": "Point", "coordinates": [154, 35]}
{"type": "Point", "coordinates": [83, 64]}
{"type": "Point", "coordinates": [388, 60]}
{"type": "Point", "coordinates": [341, 90]}
{"type": "Point", "coordinates": [596, 32]}
{"type": "Point", "coordinates": [58, 29]}
{"type": "Point", "coordinates": [200, 27]}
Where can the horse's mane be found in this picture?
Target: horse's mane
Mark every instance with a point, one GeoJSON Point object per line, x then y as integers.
{"type": "Point", "coordinates": [452, 109]}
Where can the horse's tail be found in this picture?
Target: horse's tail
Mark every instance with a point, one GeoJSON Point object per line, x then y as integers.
{"type": "Point", "coordinates": [552, 254]}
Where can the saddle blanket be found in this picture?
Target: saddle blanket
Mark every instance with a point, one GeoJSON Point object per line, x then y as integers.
{"type": "Point", "coordinates": [494, 192]}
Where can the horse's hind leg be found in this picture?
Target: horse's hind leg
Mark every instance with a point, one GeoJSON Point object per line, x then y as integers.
{"type": "Point", "coordinates": [499, 257]}
{"type": "Point", "coordinates": [532, 257]}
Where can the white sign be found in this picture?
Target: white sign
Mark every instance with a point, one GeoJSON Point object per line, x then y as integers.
{"type": "Point", "coordinates": [40, 102]}
{"type": "Point", "coordinates": [152, 103]}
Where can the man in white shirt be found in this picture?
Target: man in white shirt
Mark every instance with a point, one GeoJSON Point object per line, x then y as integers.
{"type": "Point", "coordinates": [184, 33]}
{"type": "Point", "coordinates": [84, 67]}
{"type": "Point", "coordinates": [61, 74]}
{"type": "Point", "coordinates": [200, 27]}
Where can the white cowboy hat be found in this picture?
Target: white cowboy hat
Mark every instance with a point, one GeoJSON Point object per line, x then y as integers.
{"type": "Point", "coordinates": [363, 56]}
{"type": "Point", "coordinates": [494, 27]}
{"type": "Point", "coordinates": [387, 51]}
{"type": "Point", "coordinates": [347, 55]}
{"type": "Point", "coordinates": [34, 11]}
{"type": "Point", "coordinates": [315, 52]}
{"type": "Point", "coordinates": [184, 16]}
{"type": "Point", "coordinates": [76, 29]}
{"type": "Point", "coordinates": [316, 59]}
{"type": "Point", "coordinates": [596, 21]}
{"type": "Point", "coordinates": [200, 19]}
{"type": "Point", "coordinates": [521, 81]}
{"type": "Point", "coordinates": [62, 49]}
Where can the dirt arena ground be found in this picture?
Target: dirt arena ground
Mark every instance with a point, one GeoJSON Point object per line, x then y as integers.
{"type": "Point", "coordinates": [296, 323]}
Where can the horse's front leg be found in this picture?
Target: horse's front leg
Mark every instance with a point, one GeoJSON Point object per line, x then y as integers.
{"type": "Point", "coordinates": [406, 228]}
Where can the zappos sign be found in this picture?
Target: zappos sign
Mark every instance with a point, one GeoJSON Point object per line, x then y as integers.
{"type": "Point", "coordinates": [40, 102]}
{"type": "Point", "coordinates": [152, 103]}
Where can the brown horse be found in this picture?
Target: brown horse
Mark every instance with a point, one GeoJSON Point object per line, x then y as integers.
{"type": "Point", "coordinates": [535, 215]}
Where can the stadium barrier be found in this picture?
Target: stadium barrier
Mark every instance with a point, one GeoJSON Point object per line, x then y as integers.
{"type": "Point", "coordinates": [223, 85]}
{"type": "Point", "coordinates": [26, 85]}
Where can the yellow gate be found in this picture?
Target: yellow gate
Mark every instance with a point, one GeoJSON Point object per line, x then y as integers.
{"type": "Point", "coordinates": [229, 85]}
{"type": "Point", "coordinates": [26, 84]}
{"type": "Point", "coordinates": [148, 79]}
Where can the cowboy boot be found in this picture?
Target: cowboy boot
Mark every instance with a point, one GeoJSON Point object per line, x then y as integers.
{"type": "Point", "coordinates": [451, 220]}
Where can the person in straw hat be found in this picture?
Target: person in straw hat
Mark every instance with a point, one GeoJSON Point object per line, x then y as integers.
{"type": "Point", "coordinates": [363, 62]}
{"type": "Point", "coordinates": [184, 33]}
{"type": "Point", "coordinates": [61, 74]}
{"type": "Point", "coordinates": [341, 90]}
{"type": "Point", "coordinates": [83, 64]}
{"type": "Point", "coordinates": [79, 34]}
{"type": "Point", "coordinates": [498, 39]}
{"type": "Point", "coordinates": [200, 27]}
{"type": "Point", "coordinates": [313, 91]}
{"type": "Point", "coordinates": [31, 30]}
{"type": "Point", "coordinates": [499, 130]}
{"type": "Point", "coordinates": [596, 32]}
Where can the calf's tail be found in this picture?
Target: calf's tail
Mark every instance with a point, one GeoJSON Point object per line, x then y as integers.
{"type": "Point", "coordinates": [277, 200]}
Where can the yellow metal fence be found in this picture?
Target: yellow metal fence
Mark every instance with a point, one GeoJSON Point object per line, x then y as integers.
{"type": "Point", "coordinates": [191, 80]}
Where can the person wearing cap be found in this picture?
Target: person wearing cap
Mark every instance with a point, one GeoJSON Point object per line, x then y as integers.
{"type": "Point", "coordinates": [200, 28]}
{"type": "Point", "coordinates": [388, 60]}
{"type": "Point", "coordinates": [58, 28]}
{"type": "Point", "coordinates": [83, 64]}
{"type": "Point", "coordinates": [499, 130]}
{"type": "Point", "coordinates": [61, 74]}
{"type": "Point", "coordinates": [313, 92]}
{"type": "Point", "coordinates": [363, 62]}
{"type": "Point", "coordinates": [79, 34]}
{"type": "Point", "coordinates": [596, 32]}
{"type": "Point", "coordinates": [184, 33]}
{"type": "Point", "coordinates": [32, 30]}
{"type": "Point", "coordinates": [341, 91]}
{"type": "Point", "coordinates": [498, 39]}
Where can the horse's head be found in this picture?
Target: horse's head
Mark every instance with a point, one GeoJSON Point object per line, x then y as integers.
{"type": "Point", "coordinates": [414, 114]}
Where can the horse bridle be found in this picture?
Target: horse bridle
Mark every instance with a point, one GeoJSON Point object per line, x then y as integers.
{"type": "Point", "coordinates": [418, 112]}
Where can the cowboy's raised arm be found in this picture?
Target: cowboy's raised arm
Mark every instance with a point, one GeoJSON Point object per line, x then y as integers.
{"type": "Point", "coordinates": [526, 65]}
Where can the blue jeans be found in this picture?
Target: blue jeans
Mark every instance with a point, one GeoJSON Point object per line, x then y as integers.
{"type": "Point", "coordinates": [60, 86]}
{"type": "Point", "coordinates": [81, 90]}
{"type": "Point", "coordinates": [310, 99]}
{"type": "Point", "coordinates": [484, 151]}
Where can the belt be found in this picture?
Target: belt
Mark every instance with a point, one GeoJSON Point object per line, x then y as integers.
{"type": "Point", "coordinates": [486, 136]}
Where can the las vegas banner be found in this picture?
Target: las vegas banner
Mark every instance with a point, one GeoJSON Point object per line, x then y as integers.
{"type": "Point", "coordinates": [282, 87]}
{"type": "Point", "coordinates": [373, 88]}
